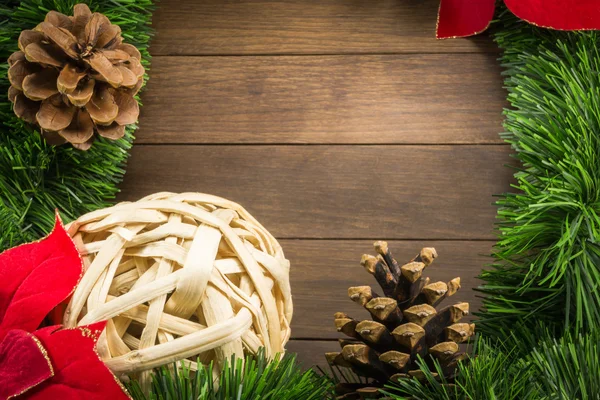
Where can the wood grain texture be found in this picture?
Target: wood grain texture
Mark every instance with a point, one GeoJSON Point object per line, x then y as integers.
{"type": "Point", "coordinates": [192, 27]}
{"type": "Point", "coordinates": [311, 353]}
{"type": "Point", "coordinates": [324, 99]}
{"type": "Point", "coordinates": [396, 192]}
{"type": "Point", "coordinates": [322, 272]}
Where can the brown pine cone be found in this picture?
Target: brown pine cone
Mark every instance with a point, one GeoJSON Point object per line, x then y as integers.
{"type": "Point", "coordinates": [74, 77]}
{"type": "Point", "coordinates": [404, 325]}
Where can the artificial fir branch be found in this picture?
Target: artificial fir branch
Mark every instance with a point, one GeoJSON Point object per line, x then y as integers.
{"type": "Point", "coordinates": [254, 378]}
{"type": "Point", "coordinates": [493, 374]}
{"type": "Point", "coordinates": [548, 255]}
{"type": "Point", "coordinates": [568, 368]}
{"type": "Point", "coordinates": [553, 369]}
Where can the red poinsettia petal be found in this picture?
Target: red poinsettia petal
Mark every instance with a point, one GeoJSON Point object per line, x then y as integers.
{"type": "Point", "coordinates": [78, 371]}
{"type": "Point", "coordinates": [55, 317]}
{"type": "Point", "coordinates": [558, 14]}
{"type": "Point", "coordinates": [23, 363]}
{"type": "Point", "coordinates": [460, 18]}
{"type": "Point", "coordinates": [35, 278]}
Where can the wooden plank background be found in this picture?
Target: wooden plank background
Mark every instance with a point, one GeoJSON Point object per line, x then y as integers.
{"type": "Point", "coordinates": [417, 98]}
{"type": "Point", "coordinates": [335, 123]}
{"type": "Point", "coordinates": [250, 27]}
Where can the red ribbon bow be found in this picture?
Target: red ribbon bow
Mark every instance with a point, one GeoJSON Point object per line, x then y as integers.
{"type": "Point", "coordinates": [52, 362]}
{"type": "Point", "coordinates": [459, 18]}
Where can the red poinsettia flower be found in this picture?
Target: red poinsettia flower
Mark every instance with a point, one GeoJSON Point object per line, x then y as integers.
{"type": "Point", "coordinates": [459, 18]}
{"type": "Point", "coordinates": [52, 362]}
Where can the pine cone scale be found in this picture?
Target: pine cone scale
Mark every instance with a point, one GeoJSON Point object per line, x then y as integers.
{"type": "Point", "coordinates": [59, 20]}
{"type": "Point", "coordinates": [54, 114]}
{"type": "Point", "coordinates": [40, 85]}
{"type": "Point", "coordinates": [28, 37]}
{"type": "Point", "coordinates": [82, 93]}
{"type": "Point", "coordinates": [129, 78]}
{"type": "Point", "coordinates": [102, 106]}
{"type": "Point", "coordinates": [18, 71]}
{"type": "Point", "coordinates": [110, 38]}
{"type": "Point", "coordinates": [14, 57]}
{"type": "Point", "coordinates": [69, 78]}
{"type": "Point", "coordinates": [61, 38]}
{"type": "Point", "coordinates": [53, 138]}
{"type": "Point", "coordinates": [129, 108]}
{"type": "Point", "coordinates": [43, 54]}
{"type": "Point", "coordinates": [395, 359]}
{"type": "Point", "coordinates": [26, 109]}
{"type": "Point", "coordinates": [80, 130]}
{"type": "Point", "coordinates": [131, 50]}
{"type": "Point", "coordinates": [113, 131]}
{"type": "Point", "coordinates": [94, 28]}
{"type": "Point", "coordinates": [103, 66]}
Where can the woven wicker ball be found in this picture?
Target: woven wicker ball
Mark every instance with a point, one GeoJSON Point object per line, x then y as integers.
{"type": "Point", "coordinates": [180, 276]}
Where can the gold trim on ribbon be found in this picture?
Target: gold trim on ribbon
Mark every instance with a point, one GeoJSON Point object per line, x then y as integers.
{"type": "Point", "coordinates": [45, 355]}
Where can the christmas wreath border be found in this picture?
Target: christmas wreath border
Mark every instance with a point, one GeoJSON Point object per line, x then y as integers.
{"type": "Point", "coordinates": [540, 316]}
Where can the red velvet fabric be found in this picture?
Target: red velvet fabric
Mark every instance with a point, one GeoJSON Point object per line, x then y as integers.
{"type": "Point", "coordinates": [52, 363]}
{"type": "Point", "coordinates": [23, 365]}
{"type": "Point", "coordinates": [460, 18]}
{"type": "Point", "coordinates": [35, 278]}
{"type": "Point", "coordinates": [78, 371]}
{"type": "Point", "coordinates": [558, 14]}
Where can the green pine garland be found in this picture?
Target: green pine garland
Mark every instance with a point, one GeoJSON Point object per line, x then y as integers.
{"type": "Point", "coordinates": [253, 379]}
{"type": "Point", "coordinates": [548, 255]}
{"type": "Point", "coordinates": [553, 369]}
{"type": "Point", "coordinates": [36, 178]}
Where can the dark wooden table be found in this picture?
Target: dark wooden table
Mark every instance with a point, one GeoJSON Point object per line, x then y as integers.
{"type": "Point", "coordinates": [335, 123]}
